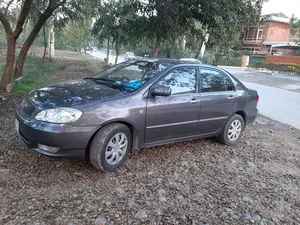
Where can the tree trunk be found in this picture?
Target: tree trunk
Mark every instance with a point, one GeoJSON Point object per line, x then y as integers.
{"type": "Point", "coordinates": [45, 43]}
{"type": "Point", "coordinates": [9, 65]}
{"type": "Point", "coordinates": [117, 54]}
{"type": "Point", "coordinates": [107, 53]}
{"type": "Point", "coordinates": [29, 41]}
{"type": "Point", "coordinates": [51, 50]}
{"type": "Point", "coordinates": [156, 49]}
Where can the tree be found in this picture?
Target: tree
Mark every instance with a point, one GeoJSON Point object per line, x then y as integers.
{"type": "Point", "coordinates": [113, 23]}
{"type": "Point", "coordinates": [162, 21]}
{"type": "Point", "coordinates": [75, 35]}
{"type": "Point", "coordinates": [13, 35]}
{"type": "Point", "coordinates": [295, 28]}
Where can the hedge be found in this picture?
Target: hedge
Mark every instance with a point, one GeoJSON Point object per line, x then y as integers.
{"type": "Point", "coordinates": [285, 68]}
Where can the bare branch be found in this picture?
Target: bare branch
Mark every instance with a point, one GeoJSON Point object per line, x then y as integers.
{"type": "Point", "coordinates": [22, 18]}
{"type": "Point", "coordinates": [8, 4]}
{"type": "Point", "coordinates": [6, 24]}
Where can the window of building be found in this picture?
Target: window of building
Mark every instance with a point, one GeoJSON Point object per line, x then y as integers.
{"type": "Point", "coordinates": [253, 34]}
{"type": "Point", "coordinates": [260, 35]}
{"type": "Point", "coordinates": [181, 81]}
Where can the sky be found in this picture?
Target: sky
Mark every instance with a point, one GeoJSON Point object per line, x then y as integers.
{"type": "Point", "coordinates": [287, 7]}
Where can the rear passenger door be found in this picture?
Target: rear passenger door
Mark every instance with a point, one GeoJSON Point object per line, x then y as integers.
{"type": "Point", "coordinates": [218, 100]}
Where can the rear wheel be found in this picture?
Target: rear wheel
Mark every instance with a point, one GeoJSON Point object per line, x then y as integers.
{"type": "Point", "coordinates": [110, 147]}
{"type": "Point", "coordinates": [232, 131]}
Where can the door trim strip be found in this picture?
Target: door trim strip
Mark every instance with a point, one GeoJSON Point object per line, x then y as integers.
{"type": "Point", "coordinates": [215, 118]}
{"type": "Point", "coordinates": [172, 124]}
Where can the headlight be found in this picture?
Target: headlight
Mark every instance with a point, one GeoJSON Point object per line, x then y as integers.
{"type": "Point", "coordinates": [59, 115]}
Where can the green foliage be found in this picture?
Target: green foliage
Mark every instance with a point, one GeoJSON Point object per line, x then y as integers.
{"type": "Point", "coordinates": [229, 20]}
{"type": "Point", "coordinates": [37, 74]}
{"type": "Point", "coordinates": [284, 68]}
{"type": "Point", "coordinates": [298, 52]}
{"type": "Point", "coordinates": [75, 35]}
{"type": "Point", "coordinates": [228, 58]}
{"type": "Point", "coordinates": [295, 28]}
{"type": "Point", "coordinates": [113, 22]}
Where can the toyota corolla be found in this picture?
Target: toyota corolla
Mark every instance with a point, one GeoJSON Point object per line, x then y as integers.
{"type": "Point", "coordinates": [135, 104]}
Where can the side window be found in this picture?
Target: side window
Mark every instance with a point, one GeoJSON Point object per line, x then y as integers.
{"type": "Point", "coordinates": [181, 81]}
{"type": "Point", "coordinates": [214, 81]}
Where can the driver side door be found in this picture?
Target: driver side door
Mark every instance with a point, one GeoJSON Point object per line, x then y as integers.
{"type": "Point", "coordinates": [175, 116]}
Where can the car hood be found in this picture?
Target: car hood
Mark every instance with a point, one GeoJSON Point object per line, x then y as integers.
{"type": "Point", "coordinates": [71, 93]}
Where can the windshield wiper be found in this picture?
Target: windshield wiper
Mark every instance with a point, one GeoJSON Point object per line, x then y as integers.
{"type": "Point", "coordinates": [100, 79]}
{"type": "Point", "coordinates": [110, 83]}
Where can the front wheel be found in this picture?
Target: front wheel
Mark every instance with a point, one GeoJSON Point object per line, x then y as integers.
{"type": "Point", "coordinates": [110, 147]}
{"type": "Point", "coordinates": [232, 131]}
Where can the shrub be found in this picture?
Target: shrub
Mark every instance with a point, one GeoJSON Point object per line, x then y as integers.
{"type": "Point", "coordinates": [284, 68]}
{"type": "Point", "coordinates": [230, 58]}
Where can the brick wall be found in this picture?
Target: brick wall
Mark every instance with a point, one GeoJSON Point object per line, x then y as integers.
{"type": "Point", "coordinates": [279, 32]}
{"type": "Point", "coordinates": [283, 59]}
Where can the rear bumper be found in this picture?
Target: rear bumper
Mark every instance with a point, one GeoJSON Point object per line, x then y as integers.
{"type": "Point", "coordinates": [251, 116]}
{"type": "Point", "coordinates": [71, 141]}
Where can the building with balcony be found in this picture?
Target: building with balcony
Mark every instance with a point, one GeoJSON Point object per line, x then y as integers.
{"type": "Point", "coordinates": [272, 37]}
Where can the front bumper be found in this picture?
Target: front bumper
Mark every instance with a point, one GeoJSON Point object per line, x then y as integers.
{"type": "Point", "coordinates": [71, 141]}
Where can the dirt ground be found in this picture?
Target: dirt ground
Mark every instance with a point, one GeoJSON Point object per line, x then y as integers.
{"type": "Point", "coordinates": [197, 182]}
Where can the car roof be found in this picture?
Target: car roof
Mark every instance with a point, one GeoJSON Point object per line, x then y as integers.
{"type": "Point", "coordinates": [173, 61]}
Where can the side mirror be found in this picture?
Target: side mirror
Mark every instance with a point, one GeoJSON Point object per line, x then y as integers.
{"type": "Point", "coordinates": [230, 87]}
{"type": "Point", "coordinates": [161, 91]}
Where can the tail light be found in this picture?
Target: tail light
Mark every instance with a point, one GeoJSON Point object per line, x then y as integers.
{"type": "Point", "coordinates": [257, 97]}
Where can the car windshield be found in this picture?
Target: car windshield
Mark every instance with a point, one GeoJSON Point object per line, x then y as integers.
{"type": "Point", "coordinates": [131, 76]}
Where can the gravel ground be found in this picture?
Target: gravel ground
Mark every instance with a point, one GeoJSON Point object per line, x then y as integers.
{"type": "Point", "coordinates": [197, 182]}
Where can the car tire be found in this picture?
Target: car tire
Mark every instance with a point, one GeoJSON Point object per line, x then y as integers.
{"type": "Point", "coordinates": [110, 147]}
{"type": "Point", "coordinates": [232, 131]}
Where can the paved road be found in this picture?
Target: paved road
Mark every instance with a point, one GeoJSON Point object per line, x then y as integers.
{"type": "Point", "coordinates": [102, 54]}
{"type": "Point", "coordinates": [275, 103]}
{"type": "Point", "coordinates": [290, 83]}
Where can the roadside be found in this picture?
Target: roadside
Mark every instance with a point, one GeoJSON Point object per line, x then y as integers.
{"type": "Point", "coordinates": [197, 182]}
{"type": "Point", "coordinates": [56, 70]}
{"type": "Point", "coordinates": [282, 81]}
{"type": "Point", "coordinates": [275, 101]}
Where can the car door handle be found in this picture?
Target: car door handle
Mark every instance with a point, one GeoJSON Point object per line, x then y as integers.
{"type": "Point", "coordinates": [194, 101]}
{"type": "Point", "coordinates": [231, 97]}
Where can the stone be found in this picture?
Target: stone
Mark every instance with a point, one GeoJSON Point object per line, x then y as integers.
{"type": "Point", "coordinates": [120, 191]}
{"type": "Point", "coordinates": [162, 195]}
{"type": "Point", "coordinates": [131, 203]}
{"type": "Point", "coordinates": [198, 196]}
{"type": "Point", "coordinates": [75, 195]}
{"type": "Point", "coordinates": [10, 87]}
{"type": "Point", "coordinates": [251, 165]}
{"type": "Point", "coordinates": [256, 218]}
{"type": "Point", "coordinates": [246, 199]}
{"type": "Point", "coordinates": [100, 221]}
{"type": "Point", "coordinates": [141, 214]}
{"type": "Point", "coordinates": [279, 204]}
{"type": "Point", "coordinates": [160, 212]}
{"type": "Point", "coordinates": [184, 164]}
{"type": "Point", "coordinates": [180, 197]}
{"type": "Point", "coordinates": [246, 216]}
{"type": "Point", "coordinates": [108, 203]}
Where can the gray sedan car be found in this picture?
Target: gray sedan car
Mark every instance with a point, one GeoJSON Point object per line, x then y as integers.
{"type": "Point", "coordinates": [135, 104]}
